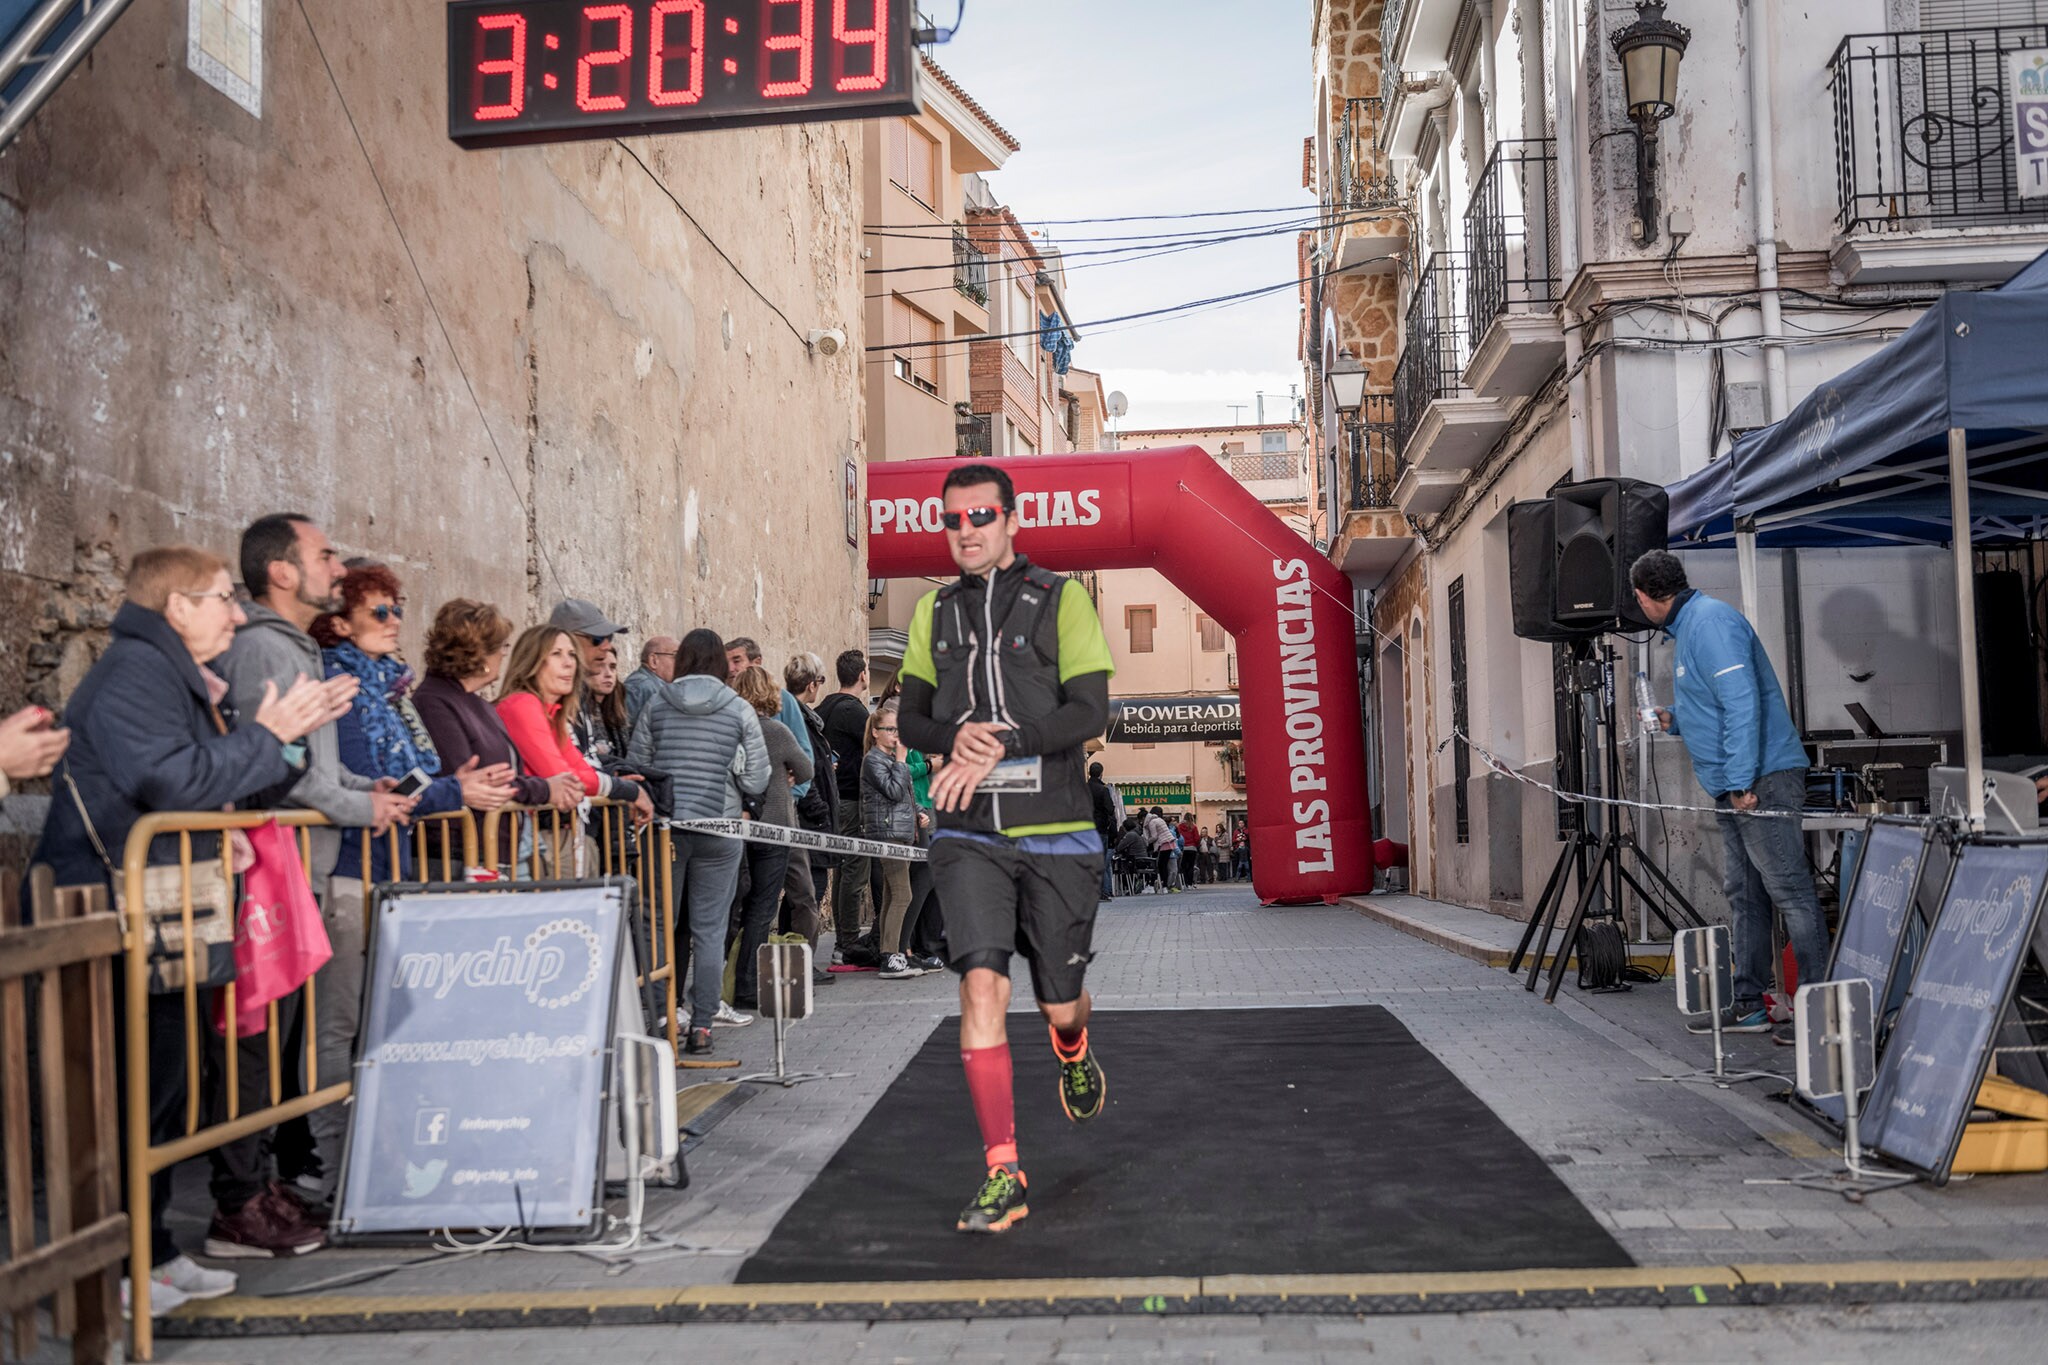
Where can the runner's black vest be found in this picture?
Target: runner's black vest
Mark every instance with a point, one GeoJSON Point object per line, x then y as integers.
{"type": "Point", "coordinates": [1017, 679]}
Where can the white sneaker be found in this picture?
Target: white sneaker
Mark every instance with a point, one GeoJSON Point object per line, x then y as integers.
{"type": "Point", "coordinates": [682, 1019]}
{"type": "Point", "coordinates": [898, 967]}
{"type": "Point", "coordinates": [192, 1279]}
{"type": "Point", "coordinates": [164, 1297]}
{"type": "Point", "coordinates": [728, 1017]}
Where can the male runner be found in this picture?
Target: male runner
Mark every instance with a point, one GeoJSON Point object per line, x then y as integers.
{"type": "Point", "coordinates": [1007, 671]}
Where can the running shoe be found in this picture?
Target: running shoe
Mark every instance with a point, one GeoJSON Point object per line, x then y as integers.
{"type": "Point", "coordinates": [1082, 1085]}
{"type": "Point", "coordinates": [1749, 1021]}
{"type": "Point", "coordinates": [191, 1279]}
{"type": "Point", "coordinates": [897, 967]}
{"type": "Point", "coordinates": [698, 1044]}
{"type": "Point", "coordinates": [728, 1017]}
{"type": "Point", "coordinates": [999, 1203]}
{"type": "Point", "coordinates": [164, 1297]}
{"type": "Point", "coordinates": [931, 962]}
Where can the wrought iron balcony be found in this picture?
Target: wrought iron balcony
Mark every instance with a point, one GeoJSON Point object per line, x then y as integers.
{"type": "Point", "coordinates": [973, 435]}
{"type": "Point", "coordinates": [1923, 129]}
{"type": "Point", "coordinates": [970, 269]}
{"type": "Point", "coordinates": [1373, 464]}
{"type": "Point", "coordinates": [1390, 30]}
{"type": "Point", "coordinates": [1435, 346]}
{"type": "Point", "coordinates": [1364, 180]}
{"type": "Point", "coordinates": [1511, 226]}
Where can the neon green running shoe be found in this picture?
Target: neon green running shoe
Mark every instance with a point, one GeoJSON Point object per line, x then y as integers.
{"type": "Point", "coordinates": [1083, 1087]}
{"type": "Point", "coordinates": [999, 1203]}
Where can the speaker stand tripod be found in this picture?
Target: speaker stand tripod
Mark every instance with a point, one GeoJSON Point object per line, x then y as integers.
{"type": "Point", "coordinates": [1607, 861]}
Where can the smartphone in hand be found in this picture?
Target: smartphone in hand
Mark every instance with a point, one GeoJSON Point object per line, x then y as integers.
{"type": "Point", "coordinates": [413, 783]}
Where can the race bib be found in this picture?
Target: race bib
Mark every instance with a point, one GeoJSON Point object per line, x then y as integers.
{"type": "Point", "coordinates": [1015, 775]}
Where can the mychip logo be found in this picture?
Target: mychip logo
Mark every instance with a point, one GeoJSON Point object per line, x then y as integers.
{"type": "Point", "coordinates": [555, 966]}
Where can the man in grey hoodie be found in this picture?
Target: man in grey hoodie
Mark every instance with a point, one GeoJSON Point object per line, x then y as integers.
{"type": "Point", "coordinates": [707, 740]}
{"type": "Point", "coordinates": [292, 574]}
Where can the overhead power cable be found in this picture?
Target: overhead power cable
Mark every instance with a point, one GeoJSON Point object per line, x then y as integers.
{"type": "Point", "coordinates": [1304, 221]}
{"type": "Point", "coordinates": [1171, 310]}
{"type": "Point", "coordinates": [1123, 218]}
{"type": "Point", "coordinates": [1121, 255]}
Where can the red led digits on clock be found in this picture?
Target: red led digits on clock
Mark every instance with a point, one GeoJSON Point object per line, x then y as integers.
{"type": "Point", "coordinates": [798, 42]}
{"type": "Point", "coordinates": [662, 50]}
{"type": "Point", "coordinates": [513, 67]}
{"type": "Point", "coordinates": [594, 57]}
{"type": "Point", "coordinates": [875, 38]}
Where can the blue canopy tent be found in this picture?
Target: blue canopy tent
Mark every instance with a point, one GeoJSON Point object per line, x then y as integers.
{"type": "Point", "coordinates": [1946, 427]}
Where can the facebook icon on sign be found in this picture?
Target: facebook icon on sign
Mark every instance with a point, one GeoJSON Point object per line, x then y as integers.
{"type": "Point", "coordinates": [430, 1128]}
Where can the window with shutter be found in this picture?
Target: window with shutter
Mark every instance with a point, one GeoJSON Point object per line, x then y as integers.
{"type": "Point", "coordinates": [912, 334]}
{"type": "Point", "coordinates": [921, 166]}
{"type": "Point", "coordinates": [1212, 635]}
{"type": "Point", "coordinates": [899, 153]}
{"type": "Point", "coordinates": [1138, 620]}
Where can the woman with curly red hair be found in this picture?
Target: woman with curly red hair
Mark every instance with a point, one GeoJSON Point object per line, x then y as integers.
{"type": "Point", "coordinates": [382, 738]}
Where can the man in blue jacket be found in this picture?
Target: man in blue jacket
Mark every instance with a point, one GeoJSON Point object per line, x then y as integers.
{"type": "Point", "coordinates": [1727, 707]}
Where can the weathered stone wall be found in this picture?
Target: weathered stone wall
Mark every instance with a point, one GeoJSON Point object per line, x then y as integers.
{"type": "Point", "coordinates": [205, 316]}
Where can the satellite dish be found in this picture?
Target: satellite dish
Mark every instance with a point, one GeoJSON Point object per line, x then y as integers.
{"type": "Point", "coordinates": [1117, 404]}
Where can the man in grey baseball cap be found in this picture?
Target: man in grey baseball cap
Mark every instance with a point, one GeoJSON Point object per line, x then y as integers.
{"type": "Point", "coordinates": [579, 617]}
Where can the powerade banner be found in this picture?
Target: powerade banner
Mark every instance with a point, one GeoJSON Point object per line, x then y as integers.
{"type": "Point", "coordinates": [1149, 720]}
{"type": "Point", "coordinates": [1935, 1060]}
{"type": "Point", "coordinates": [480, 1071]}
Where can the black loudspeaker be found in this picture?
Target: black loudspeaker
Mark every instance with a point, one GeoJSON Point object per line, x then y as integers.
{"type": "Point", "coordinates": [1532, 550]}
{"type": "Point", "coordinates": [1569, 557]}
{"type": "Point", "coordinates": [1602, 527]}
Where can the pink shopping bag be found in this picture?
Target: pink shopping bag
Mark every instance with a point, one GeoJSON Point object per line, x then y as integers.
{"type": "Point", "coordinates": [279, 939]}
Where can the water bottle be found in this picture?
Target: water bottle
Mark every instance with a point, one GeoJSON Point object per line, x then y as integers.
{"type": "Point", "coordinates": [1646, 705]}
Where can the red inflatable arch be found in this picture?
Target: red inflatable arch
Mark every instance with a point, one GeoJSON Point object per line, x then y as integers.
{"type": "Point", "coordinates": [1176, 510]}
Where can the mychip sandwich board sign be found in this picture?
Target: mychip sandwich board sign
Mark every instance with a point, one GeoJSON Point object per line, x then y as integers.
{"type": "Point", "coordinates": [483, 1061]}
{"type": "Point", "coordinates": [1874, 915]}
{"type": "Point", "coordinates": [1941, 1043]}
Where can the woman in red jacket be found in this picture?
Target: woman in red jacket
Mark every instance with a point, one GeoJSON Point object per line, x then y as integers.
{"type": "Point", "coordinates": [543, 687]}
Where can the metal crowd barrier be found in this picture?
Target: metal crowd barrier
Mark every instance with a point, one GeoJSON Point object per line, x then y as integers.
{"type": "Point", "coordinates": [445, 847]}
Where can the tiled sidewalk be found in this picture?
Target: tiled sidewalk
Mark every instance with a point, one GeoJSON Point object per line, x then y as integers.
{"type": "Point", "coordinates": [1663, 1164]}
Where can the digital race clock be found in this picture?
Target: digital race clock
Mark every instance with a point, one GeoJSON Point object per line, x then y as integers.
{"type": "Point", "coordinates": [554, 70]}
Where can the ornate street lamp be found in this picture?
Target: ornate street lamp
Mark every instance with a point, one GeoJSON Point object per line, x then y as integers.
{"type": "Point", "coordinates": [1650, 50]}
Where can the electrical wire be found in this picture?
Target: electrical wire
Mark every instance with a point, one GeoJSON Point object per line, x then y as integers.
{"type": "Point", "coordinates": [1170, 310]}
{"type": "Point", "coordinates": [1296, 209]}
{"type": "Point", "coordinates": [1302, 222]}
{"type": "Point", "coordinates": [712, 242]}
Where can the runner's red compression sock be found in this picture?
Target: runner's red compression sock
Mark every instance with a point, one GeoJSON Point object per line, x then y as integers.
{"type": "Point", "coordinates": [1070, 1047]}
{"type": "Point", "coordinates": [995, 1104]}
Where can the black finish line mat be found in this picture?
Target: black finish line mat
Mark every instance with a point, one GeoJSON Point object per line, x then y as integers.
{"type": "Point", "coordinates": [1234, 1142]}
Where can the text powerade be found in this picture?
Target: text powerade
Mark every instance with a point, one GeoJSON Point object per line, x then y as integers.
{"type": "Point", "coordinates": [524, 71]}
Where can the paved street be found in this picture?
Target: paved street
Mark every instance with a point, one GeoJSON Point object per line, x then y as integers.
{"type": "Point", "coordinates": [1907, 1335]}
{"type": "Point", "coordinates": [1661, 1164]}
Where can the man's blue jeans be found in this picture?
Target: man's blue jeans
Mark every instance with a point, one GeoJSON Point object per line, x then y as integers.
{"type": "Point", "coordinates": [1765, 865]}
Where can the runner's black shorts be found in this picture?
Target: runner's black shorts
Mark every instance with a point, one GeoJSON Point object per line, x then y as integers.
{"type": "Point", "coordinates": [999, 899]}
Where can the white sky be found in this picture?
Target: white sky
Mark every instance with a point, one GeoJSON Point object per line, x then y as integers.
{"type": "Point", "coordinates": [1156, 106]}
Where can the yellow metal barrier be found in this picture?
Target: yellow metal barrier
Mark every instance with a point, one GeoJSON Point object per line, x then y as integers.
{"type": "Point", "coordinates": [457, 834]}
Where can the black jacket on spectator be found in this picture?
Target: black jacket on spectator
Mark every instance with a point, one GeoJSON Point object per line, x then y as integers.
{"type": "Point", "coordinates": [846, 727]}
{"type": "Point", "coordinates": [1105, 810]}
{"type": "Point", "coordinates": [818, 808]}
{"type": "Point", "coordinates": [143, 739]}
